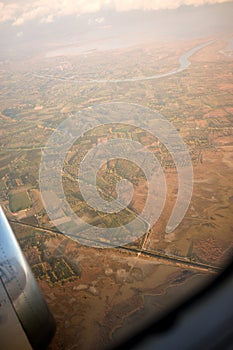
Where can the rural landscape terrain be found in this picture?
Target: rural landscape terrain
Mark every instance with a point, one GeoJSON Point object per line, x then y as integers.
{"type": "Point", "coordinates": [99, 295]}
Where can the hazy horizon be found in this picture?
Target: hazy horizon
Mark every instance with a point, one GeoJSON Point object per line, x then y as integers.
{"type": "Point", "coordinates": [109, 28]}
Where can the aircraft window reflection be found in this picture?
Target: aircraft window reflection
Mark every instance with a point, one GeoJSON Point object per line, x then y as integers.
{"type": "Point", "coordinates": [116, 158]}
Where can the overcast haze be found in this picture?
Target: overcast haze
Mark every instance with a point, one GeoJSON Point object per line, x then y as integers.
{"type": "Point", "coordinates": [31, 27]}
{"type": "Point", "coordinates": [21, 11]}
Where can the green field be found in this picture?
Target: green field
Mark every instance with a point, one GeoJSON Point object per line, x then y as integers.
{"type": "Point", "coordinates": [19, 201]}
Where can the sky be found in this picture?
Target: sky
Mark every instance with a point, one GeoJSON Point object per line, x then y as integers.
{"type": "Point", "coordinates": [22, 11]}
{"type": "Point", "coordinates": [30, 27]}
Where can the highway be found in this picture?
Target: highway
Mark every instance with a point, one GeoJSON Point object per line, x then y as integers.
{"type": "Point", "coordinates": [162, 258]}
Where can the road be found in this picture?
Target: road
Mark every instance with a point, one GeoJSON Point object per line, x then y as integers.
{"type": "Point", "coordinates": [158, 257]}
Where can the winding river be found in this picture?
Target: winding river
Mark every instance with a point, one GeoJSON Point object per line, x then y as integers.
{"type": "Point", "coordinates": [184, 63]}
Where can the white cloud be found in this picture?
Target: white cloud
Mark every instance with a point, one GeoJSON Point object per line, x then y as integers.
{"type": "Point", "coordinates": [47, 19]}
{"type": "Point", "coordinates": [99, 20]}
{"type": "Point", "coordinates": [7, 12]}
{"type": "Point", "coordinates": [21, 11]}
{"type": "Point", "coordinates": [121, 5]}
{"type": "Point", "coordinates": [19, 34]}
